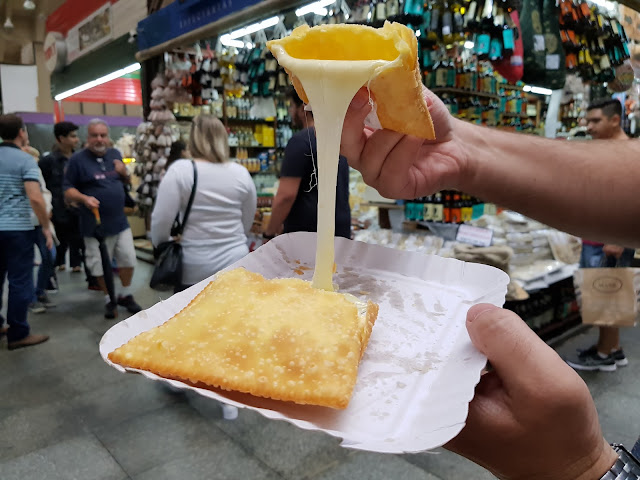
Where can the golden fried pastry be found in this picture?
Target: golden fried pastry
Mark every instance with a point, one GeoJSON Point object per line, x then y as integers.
{"type": "Point", "coordinates": [280, 339]}
{"type": "Point", "coordinates": [396, 88]}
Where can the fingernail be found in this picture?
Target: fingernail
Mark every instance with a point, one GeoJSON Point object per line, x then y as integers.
{"type": "Point", "coordinates": [360, 99]}
{"type": "Point", "coordinates": [477, 310]}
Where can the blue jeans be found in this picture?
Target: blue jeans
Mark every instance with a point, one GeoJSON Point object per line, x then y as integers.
{"type": "Point", "coordinates": [46, 267]}
{"type": "Point", "coordinates": [16, 262]}
{"type": "Point", "coordinates": [592, 256]}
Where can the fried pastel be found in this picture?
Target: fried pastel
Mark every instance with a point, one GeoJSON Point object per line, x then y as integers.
{"type": "Point", "coordinates": [280, 339]}
{"type": "Point", "coordinates": [396, 89]}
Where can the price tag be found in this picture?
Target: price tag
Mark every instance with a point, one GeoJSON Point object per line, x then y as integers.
{"type": "Point", "coordinates": [552, 62]}
{"type": "Point", "coordinates": [538, 43]}
{"type": "Point", "coordinates": [479, 237]}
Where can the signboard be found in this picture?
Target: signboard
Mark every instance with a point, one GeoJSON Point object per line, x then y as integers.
{"type": "Point", "coordinates": [479, 237]}
{"type": "Point", "coordinates": [92, 32]}
{"type": "Point", "coordinates": [55, 52]}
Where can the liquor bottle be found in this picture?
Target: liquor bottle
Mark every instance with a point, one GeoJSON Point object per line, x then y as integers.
{"type": "Point", "coordinates": [483, 37]}
{"type": "Point", "coordinates": [456, 208]}
{"type": "Point", "coordinates": [470, 23]}
{"type": "Point", "coordinates": [447, 25]}
{"type": "Point", "coordinates": [495, 45]}
{"type": "Point", "coordinates": [446, 207]}
{"type": "Point", "coordinates": [438, 208]}
{"type": "Point", "coordinates": [427, 215]}
{"type": "Point", "coordinates": [458, 22]}
{"type": "Point", "coordinates": [381, 11]}
{"type": "Point", "coordinates": [393, 8]}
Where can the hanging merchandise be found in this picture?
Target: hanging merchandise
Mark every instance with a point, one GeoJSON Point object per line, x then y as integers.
{"type": "Point", "coordinates": [544, 58]}
{"type": "Point", "coordinates": [512, 68]}
{"type": "Point", "coordinates": [595, 43]}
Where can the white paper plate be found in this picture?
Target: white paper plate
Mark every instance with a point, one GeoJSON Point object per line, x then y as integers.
{"type": "Point", "coordinates": [420, 369]}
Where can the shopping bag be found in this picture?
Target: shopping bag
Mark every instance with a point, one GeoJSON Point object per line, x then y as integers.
{"type": "Point", "coordinates": [607, 296]}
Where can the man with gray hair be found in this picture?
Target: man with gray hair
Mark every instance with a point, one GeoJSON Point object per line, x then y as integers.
{"type": "Point", "coordinates": [95, 178]}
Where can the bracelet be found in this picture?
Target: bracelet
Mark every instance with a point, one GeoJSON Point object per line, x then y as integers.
{"type": "Point", "coordinates": [626, 467]}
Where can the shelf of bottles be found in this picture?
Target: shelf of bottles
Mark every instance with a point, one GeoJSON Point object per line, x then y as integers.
{"type": "Point", "coordinates": [447, 206]}
{"type": "Point", "coordinates": [594, 42]}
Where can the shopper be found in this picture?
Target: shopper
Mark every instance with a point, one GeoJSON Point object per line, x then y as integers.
{"type": "Point", "coordinates": [603, 123]}
{"type": "Point", "coordinates": [65, 218]}
{"type": "Point", "coordinates": [532, 416]}
{"type": "Point", "coordinates": [46, 270]}
{"type": "Point", "coordinates": [223, 209]}
{"type": "Point", "coordinates": [19, 194]}
{"type": "Point", "coordinates": [95, 178]}
{"type": "Point", "coordinates": [295, 206]}
{"type": "Point", "coordinates": [177, 151]}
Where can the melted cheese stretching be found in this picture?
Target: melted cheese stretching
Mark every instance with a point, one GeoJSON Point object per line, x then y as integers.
{"type": "Point", "coordinates": [330, 86]}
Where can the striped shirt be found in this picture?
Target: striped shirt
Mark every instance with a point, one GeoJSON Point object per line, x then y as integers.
{"type": "Point", "coordinates": [16, 167]}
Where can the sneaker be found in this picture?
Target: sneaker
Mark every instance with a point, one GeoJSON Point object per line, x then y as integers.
{"type": "Point", "coordinates": [28, 341]}
{"type": "Point", "coordinates": [76, 270]}
{"type": "Point", "coordinates": [229, 412]}
{"type": "Point", "coordinates": [52, 285]}
{"type": "Point", "coordinates": [37, 307]}
{"type": "Point", "coordinates": [618, 355]}
{"type": "Point", "coordinates": [129, 303]}
{"type": "Point", "coordinates": [61, 268]}
{"type": "Point", "coordinates": [44, 301]}
{"type": "Point", "coordinates": [590, 360]}
{"type": "Point", "coordinates": [111, 310]}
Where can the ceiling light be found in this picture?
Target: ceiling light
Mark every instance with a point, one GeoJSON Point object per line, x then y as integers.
{"type": "Point", "coordinates": [230, 42]}
{"type": "Point", "coordinates": [538, 90]}
{"type": "Point", "coordinates": [94, 83]}
{"type": "Point", "coordinates": [316, 7]}
{"type": "Point", "coordinates": [241, 32]}
{"type": "Point", "coordinates": [29, 5]}
{"type": "Point", "coordinates": [8, 24]}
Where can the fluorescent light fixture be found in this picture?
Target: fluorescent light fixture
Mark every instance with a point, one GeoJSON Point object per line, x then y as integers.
{"type": "Point", "coordinates": [229, 42]}
{"type": "Point", "coordinates": [469, 45]}
{"type": "Point", "coordinates": [29, 5]}
{"type": "Point", "coordinates": [241, 32]}
{"type": "Point", "coordinates": [316, 7]}
{"type": "Point", "coordinates": [99, 81]}
{"type": "Point", "coordinates": [538, 90]}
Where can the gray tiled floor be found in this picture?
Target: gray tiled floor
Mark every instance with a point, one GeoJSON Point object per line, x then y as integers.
{"type": "Point", "coordinates": [64, 415]}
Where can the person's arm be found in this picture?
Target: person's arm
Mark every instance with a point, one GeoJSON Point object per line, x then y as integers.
{"type": "Point", "coordinates": [532, 416]}
{"type": "Point", "coordinates": [282, 203]}
{"type": "Point", "coordinates": [39, 206]}
{"type": "Point", "coordinates": [249, 204]}
{"type": "Point", "coordinates": [560, 183]}
{"type": "Point", "coordinates": [168, 202]}
{"type": "Point", "coordinates": [121, 168]}
{"type": "Point", "coordinates": [71, 193]}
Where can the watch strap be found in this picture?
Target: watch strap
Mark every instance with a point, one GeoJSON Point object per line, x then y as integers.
{"type": "Point", "coordinates": [625, 468]}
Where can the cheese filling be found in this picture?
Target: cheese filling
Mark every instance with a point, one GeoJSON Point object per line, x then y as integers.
{"type": "Point", "coordinates": [330, 86]}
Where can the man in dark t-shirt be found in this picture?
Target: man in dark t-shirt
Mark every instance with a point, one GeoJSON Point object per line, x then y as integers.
{"type": "Point", "coordinates": [295, 206]}
{"type": "Point", "coordinates": [94, 179]}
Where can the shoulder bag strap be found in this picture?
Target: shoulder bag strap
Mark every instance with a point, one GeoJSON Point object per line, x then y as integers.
{"type": "Point", "coordinates": [191, 197]}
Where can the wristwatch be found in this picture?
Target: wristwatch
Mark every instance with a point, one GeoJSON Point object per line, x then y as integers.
{"type": "Point", "coordinates": [626, 467]}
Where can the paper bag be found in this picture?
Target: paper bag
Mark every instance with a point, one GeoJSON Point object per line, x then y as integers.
{"type": "Point", "coordinates": [607, 295]}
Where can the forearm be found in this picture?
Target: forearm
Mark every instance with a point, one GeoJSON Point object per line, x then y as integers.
{"type": "Point", "coordinates": [556, 182]}
{"type": "Point", "coordinates": [40, 209]}
{"type": "Point", "coordinates": [279, 212]}
{"type": "Point", "coordinates": [72, 195]}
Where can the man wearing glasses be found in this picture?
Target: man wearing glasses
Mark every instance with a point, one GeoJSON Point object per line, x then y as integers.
{"type": "Point", "coordinates": [94, 178]}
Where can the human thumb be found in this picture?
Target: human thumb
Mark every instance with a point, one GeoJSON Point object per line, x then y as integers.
{"type": "Point", "coordinates": [520, 358]}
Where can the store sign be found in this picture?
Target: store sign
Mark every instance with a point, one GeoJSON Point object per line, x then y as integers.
{"type": "Point", "coordinates": [183, 17]}
{"type": "Point", "coordinates": [55, 52]}
{"type": "Point", "coordinates": [91, 33]}
{"type": "Point", "coordinates": [476, 236]}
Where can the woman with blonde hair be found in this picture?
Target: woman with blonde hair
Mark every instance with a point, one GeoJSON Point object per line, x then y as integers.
{"type": "Point", "coordinates": [215, 234]}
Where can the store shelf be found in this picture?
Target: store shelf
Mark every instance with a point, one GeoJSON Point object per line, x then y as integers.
{"type": "Point", "coordinates": [270, 171]}
{"type": "Point", "coordinates": [249, 120]}
{"type": "Point", "coordinates": [519, 115]}
{"type": "Point", "coordinates": [386, 206]}
{"type": "Point", "coordinates": [460, 91]}
{"type": "Point", "coordinates": [508, 86]}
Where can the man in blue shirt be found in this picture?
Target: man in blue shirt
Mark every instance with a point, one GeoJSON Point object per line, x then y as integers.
{"type": "Point", "coordinates": [95, 178]}
{"type": "Point", "coordinates": [19, 194]}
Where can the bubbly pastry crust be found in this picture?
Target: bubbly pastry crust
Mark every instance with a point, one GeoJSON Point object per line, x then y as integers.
{"type": "Point", "coordinates": [280, 339]}
{"type": "Point", "coordinates": [396, 89]}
